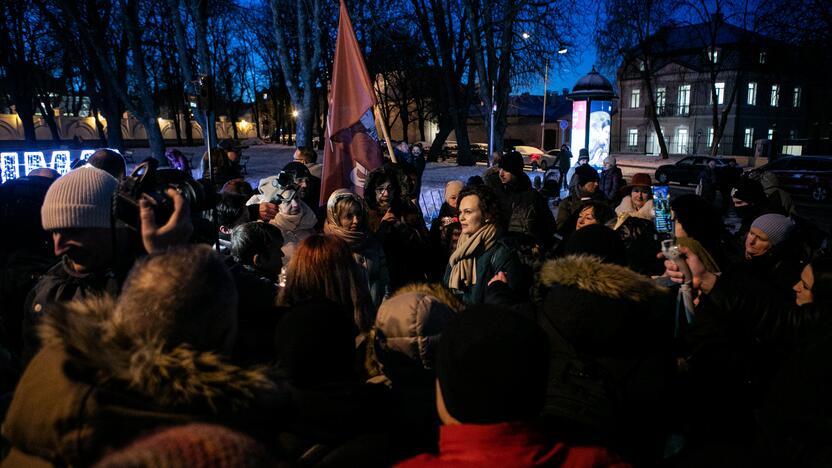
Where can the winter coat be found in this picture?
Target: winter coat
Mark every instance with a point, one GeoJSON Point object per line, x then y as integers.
{"type": "Point", "coordinates": [95, 387]}
{"type": "Point", "coordinates": [530, 219]}
{"type": "Point", "coordinates": [370, 257]}
{"type": "Point", "coordinates": [742, 332]}
{"type": "Point", "coordinates": [611, 182]}
{"type": "Point", "coordinates": [512, 444]}
{"type": "Point", "coordinates": [405, 244]}
{"type": "Point", "coordinates": [336, 424]}
{"type": "Point", "coordinates": [60, 284]}
{"type": "Point", "coordinates": [645, 212]}
{"type": "Point", "coordinates": [501, 257]}
{"type": "Point", "coordinates": [613, 324]}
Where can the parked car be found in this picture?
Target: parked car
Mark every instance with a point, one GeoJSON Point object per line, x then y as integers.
{"type": "Point", "coordinates": [687, 170]}
{"type": "Point", "coordinates": [535, 157]}
{"type": "Point", "coordinates": [480, 151]}
{"type": "Point", "coordinates": [801, 175]}
{"type": "Point", "coordinates": [449, 149]}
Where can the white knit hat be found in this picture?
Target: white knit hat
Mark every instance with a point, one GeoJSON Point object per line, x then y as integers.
{"type": "Point", "coordinates": [80, 199]}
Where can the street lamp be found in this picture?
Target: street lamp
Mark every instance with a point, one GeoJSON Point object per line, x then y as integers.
{"type": "Point", "coordinates": [561, 51]}
{"type": "Point", "coordinates": [295, 114]}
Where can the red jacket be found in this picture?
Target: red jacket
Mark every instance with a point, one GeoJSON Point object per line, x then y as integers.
{"type": "Point", "coordinates": [508, 444]}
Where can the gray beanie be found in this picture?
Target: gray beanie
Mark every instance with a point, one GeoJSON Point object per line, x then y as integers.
{"type": "Point", "coordinates": [776, 226]}
{"type": "Point", "coordinates": [80, 199]}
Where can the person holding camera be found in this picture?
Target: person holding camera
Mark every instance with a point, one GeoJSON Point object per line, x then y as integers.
{"type": "Point", "coordinates": [95, 249]}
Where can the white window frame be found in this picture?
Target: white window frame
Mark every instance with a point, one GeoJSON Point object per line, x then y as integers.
{"type": "Point", "coordinates": [661, 99]}
{"type": "Point", "coordinates": [770, 135]}
{"type": "Point", "coordinates": [682, 140]}
{"type": "Point", "coordinates": [720, 93]}
{"type": "Point", "coordinates": [683, 100]}
{"type": "Point", "coordinates": [748, 140]}
{"type": "Point", "coordinates": [796, 97]}
{"type": "Point", "coordinates": [762, 57]}
{"type": "Point", "coordinates": [635, 97]}
{"type": "Point", "coordinates": [632, 137]}
{"type": "Point", "coordinates": [711, 135]}
{"type": "Point", "coordinates": [713, 55]}
{"type": "Point", "coordinates": [752, 93]}
{"type": "Point", "coordinates": [775, 95]}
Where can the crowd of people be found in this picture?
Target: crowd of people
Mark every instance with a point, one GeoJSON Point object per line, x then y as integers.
{"type": "Point", "coordinates": [262, 328]}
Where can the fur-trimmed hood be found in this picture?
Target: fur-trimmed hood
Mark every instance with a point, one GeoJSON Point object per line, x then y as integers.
{"type": "Point", "coordinates": [590, 274]}
{"type": "Point", "coordinates": [601, 308]}
{"type": "Point", "coordinates": [95, 337]}
{"type": "Point", "coordinates": [436, 290]}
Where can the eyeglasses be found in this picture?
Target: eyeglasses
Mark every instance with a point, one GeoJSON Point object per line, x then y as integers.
{"type": "Point", "coordinates": [384, 188]}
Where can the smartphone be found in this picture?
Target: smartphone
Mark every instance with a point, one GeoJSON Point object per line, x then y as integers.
{"type": "Point", "coordinates": [661, 208]}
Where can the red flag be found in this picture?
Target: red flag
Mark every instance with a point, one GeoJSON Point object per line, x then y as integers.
{"type": "Point", "coordinates": [351, 150]}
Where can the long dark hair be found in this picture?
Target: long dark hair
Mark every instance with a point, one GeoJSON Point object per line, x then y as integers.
{"type": "Point", "coordinates": [822, 287]}
{"type": "Point", "coordinates": [395, 177]}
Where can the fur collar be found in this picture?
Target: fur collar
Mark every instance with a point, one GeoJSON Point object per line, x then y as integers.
{"type": "Point", "coordinates": [94, 336]}
{"type": "Point", "coordinates": [590, 274]}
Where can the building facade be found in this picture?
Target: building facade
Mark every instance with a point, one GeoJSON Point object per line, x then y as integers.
{"type": "Point", "coordinates": [759, 87]}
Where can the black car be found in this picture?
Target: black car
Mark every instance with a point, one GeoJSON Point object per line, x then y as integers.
{"type": "Point", "coordinates": [800, 175]}
{"type": "Point", "coordinates": [687, 170]}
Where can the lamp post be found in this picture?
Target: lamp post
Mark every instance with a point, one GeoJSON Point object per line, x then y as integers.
{"type": "Point", "coordinates": [561, 51]}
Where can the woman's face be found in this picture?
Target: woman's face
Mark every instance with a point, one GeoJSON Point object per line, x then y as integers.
{"type": "Point", "coordinates": [291, 207]}
{"type": "Point", "coordinates": [453, 200]}
{"type": "Point", "coordinates": [756, 243]}
{"type": "Point", "coordinates": [385, 191]}
{"type": "Point", "coordinates": [803, 288]}
{"type": "Point", "coordinates": [470, 215]}
{"type": "Point", "coordinates": [639, 195]}
{"type": "Point", "coordinates": [586, 217]}
{"type": "Point", "coordinates": [351, 217]}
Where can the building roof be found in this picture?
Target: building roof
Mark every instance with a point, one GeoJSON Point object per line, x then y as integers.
{"type": "Point", "coordinates": [592, 85]}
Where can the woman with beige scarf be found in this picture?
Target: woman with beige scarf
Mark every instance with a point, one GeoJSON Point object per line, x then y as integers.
{"type": "Point", "coordinates": [296, 222]}
{"type": "Point", "coordinates": [481, 252]}
{"type": "Point", "coordinates": [346, 218]}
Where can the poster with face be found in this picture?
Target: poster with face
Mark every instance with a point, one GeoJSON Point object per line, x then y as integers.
{"type": "Point", "coordinates": [600, 124]}
{"type": "Point", "coordinates": [578, 129]}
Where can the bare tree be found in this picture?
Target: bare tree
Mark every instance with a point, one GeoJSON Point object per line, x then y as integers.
{"type": "Point", "coordinates": [629, 31]}
{"type": "Point", "coordinates": [298, 29]}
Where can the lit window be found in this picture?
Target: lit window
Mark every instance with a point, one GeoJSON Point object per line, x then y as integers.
{"type": "Point", "coordinates": [720, 93]}
{"type": "Point", "coordinates": [792, 134]}
{"type": "Point", "coordinates": [713, 55]}
{"type": "Point", "coordinates": [634, 98]}
{"type": "Point", "coordinates": [749, 137]}
{"type": "Point", "coordinates": [775, 95]}
{"type": "Point", "coordinates": [796, 97]}
{"type": "Point", "coordinates": [752, 93]}
{"type": "Point", "coordinates": [661, 99]}
{"type": "Point", "coordinates": [684, 100]}
{"type": "Point", "coordinates": [762, 57]}
{"type": "Point", "coordinates": [681, 140]}
{"type": "Point", "coordinates": [710, 136]}
{"type": "Point", "coordinates": [770, 135]}
{"type": "Point", "coordinates": [632, 137]}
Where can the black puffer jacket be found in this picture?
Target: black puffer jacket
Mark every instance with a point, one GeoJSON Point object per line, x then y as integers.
{"type": "Point", "coordinates": [530, 220]}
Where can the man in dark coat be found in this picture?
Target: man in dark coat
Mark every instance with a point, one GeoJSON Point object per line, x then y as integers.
{"type": "Point", "coordinates": [530, 220]}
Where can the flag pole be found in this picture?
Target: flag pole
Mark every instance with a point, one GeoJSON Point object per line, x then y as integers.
{"type": "Point", "coordinates": [386, 135]}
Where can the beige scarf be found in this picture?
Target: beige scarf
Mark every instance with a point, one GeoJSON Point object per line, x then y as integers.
{"type": "Point", "coordinates": [464, 259]}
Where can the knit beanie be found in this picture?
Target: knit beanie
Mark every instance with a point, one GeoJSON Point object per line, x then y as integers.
{"type": "Point", "coordinates": [192, 445]}
{"type": "Point", "coordinates": [82, 198]}
{"type": "Point", "coordinates": [776, 226]}
{"type": "Point", "coordinates": [512, 162]}
{"type": "Point", "coordinates": [410, 324]}
{"type": "Point", "coordinates": [599, 241]}
{"type": "Point", "coordinates": [586, 174]}
{"type": "Point", "coordinates": [493, 366]}
{"type": "Point", "coordinates": [315, 344]}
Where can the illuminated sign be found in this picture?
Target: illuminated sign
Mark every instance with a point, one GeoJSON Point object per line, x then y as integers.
{"type": "Point", "coordinates": [599, 132]}
{"type": "Point", "coordinates": [578, 128]}
{"type": "Point", "coordinates": [14, 164]}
